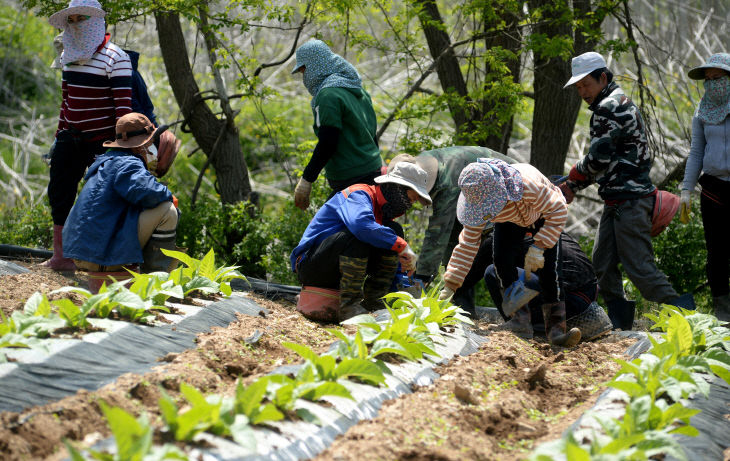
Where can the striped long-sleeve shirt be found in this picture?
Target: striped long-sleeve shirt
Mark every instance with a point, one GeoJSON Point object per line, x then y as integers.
{"type": "Point", "coordinates": [540, 199]}
{"type": "Point", "coordinates": [97, 93]}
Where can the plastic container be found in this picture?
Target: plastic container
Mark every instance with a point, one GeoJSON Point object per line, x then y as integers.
{"type": "Point", "coordinates": [96, 279]}
{"type": "Point", "coordinates": [319, 303]}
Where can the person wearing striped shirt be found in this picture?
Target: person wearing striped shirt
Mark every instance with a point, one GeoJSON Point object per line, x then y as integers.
{"type": "Point", "coordinates": [96, 92]}
{"type": "Point", "coordinates": [519, 200]}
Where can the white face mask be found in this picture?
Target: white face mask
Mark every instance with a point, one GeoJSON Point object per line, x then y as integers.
{"type": "Point", "coordinates": [151, 157]}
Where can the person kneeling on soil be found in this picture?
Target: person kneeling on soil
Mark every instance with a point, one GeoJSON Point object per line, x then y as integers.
{"type": "Point", "coordinates": [579, 289]}
{"type": "Point", "coordinates": [347, 241]}
{"type": "Point", "coordinates": [518, 199]}
{"type": "Point", "coordinates": [124, 215]}
{"type": "Point", "coordinates": [444, 166]}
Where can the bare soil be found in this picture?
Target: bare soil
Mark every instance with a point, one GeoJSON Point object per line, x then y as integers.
{"type": "Point", "coordinates": [494, 404]}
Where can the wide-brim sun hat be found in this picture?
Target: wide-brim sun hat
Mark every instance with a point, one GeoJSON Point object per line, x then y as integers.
{"type": "Point", "coordinates": [409, 175]}
{"type": "Point", "coordinates": [134, 130]}
{"type": "Point", "coordinates": [486, 187]}
{"type": "Point", "coordinates": [716, 61]}
{"type": "Point", "coordinates": [430, 165]}
{"type": "Point", "coordinates": [583, 65]}
{"type": "Point", "coordinates": [83, 7]}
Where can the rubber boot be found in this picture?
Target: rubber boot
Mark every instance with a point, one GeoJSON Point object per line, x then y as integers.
{"type": "Point", "coordinates": [722, 307]}
{"type": "Point", "coordinates": [351, 280]}
{"type": "Point", "coordinates": [154, 259]}
{"type": "Point", "coordinates": [685, 301]}
{"type": "Point", "coordinates": [378, 284]}
{"type": "Point", "coordinates": [520, 324]}
{"type": "Point", "coordinates": [57, 261]}
{"type": "Point", "coordinates": [554, 314]}
{"type": "Point", "coordinates": [464, 298]}
{"type": "Point", "coordinates": [621, 312]}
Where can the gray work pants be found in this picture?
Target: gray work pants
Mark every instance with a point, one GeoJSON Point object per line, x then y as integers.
{"type": "Point", "coordinates": [624, 237]}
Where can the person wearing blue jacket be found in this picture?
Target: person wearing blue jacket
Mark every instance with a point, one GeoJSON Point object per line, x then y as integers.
{"type": "Point", "coordinates": [353, 236]}
{"type": "Point", "coordinates": [141, 101]}
{"type": "Point", "coordinates": [123, 214]}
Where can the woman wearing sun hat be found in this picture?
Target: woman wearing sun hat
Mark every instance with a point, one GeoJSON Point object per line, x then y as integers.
{"type": "Point", "coordinates": [123, 215]}
{"type": "Point", "coordinates": [96, 92]}
{"type": "Point", "coordinates": [710, 155]}
{"type": "Point", "coordinates": [519, 200]}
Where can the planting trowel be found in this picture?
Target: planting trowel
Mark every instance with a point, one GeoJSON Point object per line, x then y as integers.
{"type": "Point", "coordinates": [517, 295]}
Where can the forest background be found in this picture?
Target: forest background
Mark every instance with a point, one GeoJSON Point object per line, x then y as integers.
{"type": "Point", "coordinates": [440, 73]}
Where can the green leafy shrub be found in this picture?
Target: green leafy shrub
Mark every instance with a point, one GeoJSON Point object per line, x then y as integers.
{"type": "Point", "coordinates": [26, 224]}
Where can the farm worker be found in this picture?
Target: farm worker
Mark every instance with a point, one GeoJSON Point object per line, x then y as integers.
{"type": "Point", "coordinates": [347, 239]}
{"type": "Point", "coordinates": [442, 232]}
{"type": "Point", "coordinates": [344, 122]}
{"type": "Point", "coordinates": [124, 215]}
{"type": "Point", "coordinates": [579, 287]}
{"type": "Point", "coordinates": [519, 200]}
{"type": "Point", "coordinates": [710, 154]}
{"type": "Point", "coordinates": [96, 92]}
{"type": "Point", "coordinates": [619, 161]}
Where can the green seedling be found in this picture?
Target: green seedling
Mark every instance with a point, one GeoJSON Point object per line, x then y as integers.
{"type": "Point", "coordinates": [212, 414]}
{"type": "Point", "coordinates": [156, 287]}
{"type": "Point", "coordinates": [117, 296]}
{"type": "Point", "coordinates": [325, 367]}
{"type": "Point", "coordinates": [249, 402]}
{"type": "Point", "coordinates": [133, 437]}
{"type": "Point", "coordinates": [202, 275]}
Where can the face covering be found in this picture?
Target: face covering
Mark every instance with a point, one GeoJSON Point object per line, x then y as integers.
{"type": "Point", "coordinates": [151, 159]}
{"type": "Point", "coordinates": [81, 39]}
{"type": "Point", "coordinates": [715, 104]}
{"type": "Point", "coordinates": [397, 200]}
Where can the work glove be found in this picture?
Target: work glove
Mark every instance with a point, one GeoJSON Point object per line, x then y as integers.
{"type": "Point", "coordinates": [576, 176]}
{"type": "Point", "coordinates": [685, 206]}
{"type": "Point", "coordinates": [301, 194]}
{"type": "Point", "coordinates": [567, 191]}
{"type": "Point", "coordinates": [446, 293]}
{"type": "Point", "coordinates": [408, 259]}
{"type": "Point", "coordinates": [534, 260]}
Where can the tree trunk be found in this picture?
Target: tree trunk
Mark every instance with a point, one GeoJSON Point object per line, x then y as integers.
{"type": "Point", "coordinates": [218, 139]}
{"type": "Point", "coordinates": [447, 65]}
{"type": "Point", "coordinates": [508, 38]}
{"type": "Point", "coordinates": [556, 109]}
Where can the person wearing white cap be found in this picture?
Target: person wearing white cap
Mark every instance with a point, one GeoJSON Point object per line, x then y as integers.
{"type": "Point", "coordinates": [709, 156]}
{"type": "Point", "coordinates": [96, 92]}
{"type": "Point", "coordinates": [344, 122]}
{"type": "Point", "coordinates": [619, 161]}
{"type": "Point", "coordinates": [354, 235]}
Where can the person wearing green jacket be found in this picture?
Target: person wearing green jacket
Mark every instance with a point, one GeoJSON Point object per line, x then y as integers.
{"type": "Point", "coordinates": [344, 122]}
{"type": "Point", "coordinates": [444, 166]}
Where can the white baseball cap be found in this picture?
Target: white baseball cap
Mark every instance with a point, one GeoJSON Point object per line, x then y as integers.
{"type": "Point", "coordinates": [585, 64]}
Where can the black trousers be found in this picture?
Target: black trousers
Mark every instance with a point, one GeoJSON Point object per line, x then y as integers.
{"type": "Point", "coordinates": [715, 207]}
{"type": "Point", "coordinates": [70, 159]}
{"type": "Point", "coordinates": [509, 254]}
{"type": "Point", "coordinates": [321, 265]}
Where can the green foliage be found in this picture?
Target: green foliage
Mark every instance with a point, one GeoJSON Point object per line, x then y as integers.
{"type": "Point", "coordinates": [202, 274]}
{"type": "Point", "coordinates": [133, 437]}
{"type": "Point", "coordinates": [115, 296]}
{"type": "Point", "coordinates": [26, 224]}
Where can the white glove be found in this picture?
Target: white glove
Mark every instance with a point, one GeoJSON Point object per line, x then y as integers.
{"type": "Point", "coordinates": [408, 259]}
{"type": "Point", "coordinates": [446, 293]}
{"type": "Point", "coordinates": [301, 194]}
{"type": "Point", "coordinates": [534, 260]}
{"type": "Point", "coordinates": [685, 206]}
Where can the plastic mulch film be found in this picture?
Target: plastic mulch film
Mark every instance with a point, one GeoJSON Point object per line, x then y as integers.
{"type": "Point", "coordinates": [9, 268]}
{"type": "Point", "coordinates": [293, 440]}
{"type": "Point", "coordinates": [92, 364]}
{"type": "Point", "coordinates": [712, 422]}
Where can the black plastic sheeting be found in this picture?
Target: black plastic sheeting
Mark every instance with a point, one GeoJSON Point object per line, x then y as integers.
{"type": "Point", "coordinates": [134, 348]}
{"type": "Point", "coordinates": [711, 422]}
{"type": "Point", "coordinates": [269, 290]}
{"type": "Point", "coordinates": [9, 268]}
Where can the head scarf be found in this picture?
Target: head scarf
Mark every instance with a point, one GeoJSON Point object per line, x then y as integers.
{"type": "Point", "coordinates": [81, 39]}
{"type": "Point", "coordinates": [715, 104]}
{"type": "Point", "coordinates": [325, 69]}
{"type": "Point", "coordinates": [397, 201]}
{"type": "Point", "coordinates": [486, 187]}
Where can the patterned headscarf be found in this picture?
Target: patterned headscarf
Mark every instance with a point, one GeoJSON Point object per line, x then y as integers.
{"type": "Point", "coordinates": [715, 104]}
{"type": "Point", "coordinates": [81, 39]}
{"type": "Point", "coordinates": [486, 187]}
{"type": "Point", "coordinates": [325, 69]}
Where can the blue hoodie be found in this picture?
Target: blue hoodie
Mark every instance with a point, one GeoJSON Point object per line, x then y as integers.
{"type": "Point", "coordinates": [102, 225]}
